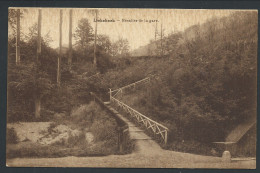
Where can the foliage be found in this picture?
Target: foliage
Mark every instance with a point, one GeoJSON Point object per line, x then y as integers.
{"type": "Point", "coordinates": [84, 34]}
{"type": "Point", "coordinates": [11, 136]}
{"type": "Point", "coordinates": [29, 79]}
{"type": "Point", "coordinates": [12, 17]}
{"type": "Point", "coordinates": [120, 48]}
{"type": "Point", "coordinates": [205, 86]}
{"type": "Point", "coordinates": [104, 43]}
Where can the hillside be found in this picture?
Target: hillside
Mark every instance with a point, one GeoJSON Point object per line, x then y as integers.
{"type": "Point", "coordinates": [154, 47]}
{"type": "Point", "coordinates": [204, 87]}
{"type": "Point", "coordinates": [143, 50]}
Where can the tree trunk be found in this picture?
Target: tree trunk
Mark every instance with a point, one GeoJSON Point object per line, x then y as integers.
{"type": "Point", "coordinates": [37, 107]}
{"type": "Point", "coordinates": [155, 36]}
{"type": "Point", "coordinates": [95, 44]}
{"type": "Point", "coordinates": [155, 32]}
{"type": "Point", "coordinates": [18, 37]}
{"type": "Point", "coordinates": [60, 53]}
{"type": "Point", "coordinates": [37, 99]}
{"type": "Point", "coordinates": [39, 35]}
{"type": "Point", "coordinates": [70, 40]}
{"type": "Point", "coordinates": [161, 40]}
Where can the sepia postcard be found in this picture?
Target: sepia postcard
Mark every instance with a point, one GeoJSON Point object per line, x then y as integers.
{"type": "Point", "coordinates": [131, 88]}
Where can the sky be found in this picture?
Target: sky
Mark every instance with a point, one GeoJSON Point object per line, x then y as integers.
{"type": "Point", "coordinates": [137, 33]}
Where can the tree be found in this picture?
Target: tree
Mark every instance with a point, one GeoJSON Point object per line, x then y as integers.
{"type": "Point", "coordinates": [104, 43]}
{"type": "Point", "coordinates": [162, 38]}
{"type": "Point", "coordinates": [39, 35]}
{"type": "Point", "coordinates": [156, 32]}
{"type": "Point", "coordinates": [70, 39]}
{"type": "Point", "coordinates": [18, 37]}
{"type": "Point", "coordinates": [95, 44]}
{"type": "Point", "coordinates": [31, 81]}
{"type": "Point", "coordinates": [83, 34]}
{"type": "Point", "coordinates": [95, 12]}
{"type": "Point", "coordinates": [120, 48]}
{"type": "Point", "coordinates": [114, 49]}
{"type": "Point", "coordinates": [12, 18]}
{"type": "Point", "coordinates": [171, 43]}
{"type": "Point", "coordinates": [60, 52]}
{"type": "Point", "coordinates": [37, 99]}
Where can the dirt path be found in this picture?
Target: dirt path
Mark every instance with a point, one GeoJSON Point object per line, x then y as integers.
{"type": "Point", "coordinates": [165, 159]}
{"type": "Point", "coordinates": [147, 154]}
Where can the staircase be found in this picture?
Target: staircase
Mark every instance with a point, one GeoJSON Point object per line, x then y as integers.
{"type": "Point", "coordinates": [134, 132]}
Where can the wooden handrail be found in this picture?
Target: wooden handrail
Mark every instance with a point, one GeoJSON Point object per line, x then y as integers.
{"type": "Point", "coordinates": [156, 127]}
{"type": "Point", "coordinates": [144, 119]}
{"type": "Point", "coordinates": [132, 84]}
{"type": "Point", "coordinates": [141, 114]}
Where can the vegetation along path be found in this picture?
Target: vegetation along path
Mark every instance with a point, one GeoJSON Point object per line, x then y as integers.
{"type": "Point", "coordinates": [147, 154]}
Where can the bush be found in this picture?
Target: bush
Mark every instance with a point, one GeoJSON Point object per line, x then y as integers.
{"type": "Point", "coordinates": [104, 129]}
{"type": "Point", "coordinates": [77, 140]}
{"type": "Point", "coordinates": [11, 136]}
{"type": "Point", "coordinates": [84, 115]}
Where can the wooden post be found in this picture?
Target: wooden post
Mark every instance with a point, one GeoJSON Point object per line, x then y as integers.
{"type": "Point", "coordinates": [110, 94]}
{"type": "Point", "coordinates": [226, 156]}
{"type": "Point", "coordinates": [165, 137]}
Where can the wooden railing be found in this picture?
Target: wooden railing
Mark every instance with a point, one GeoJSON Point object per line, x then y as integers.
{"type": "Point", "coordinates": [157, 128]}
{"type": "Point", "coordinates": [132, 85]}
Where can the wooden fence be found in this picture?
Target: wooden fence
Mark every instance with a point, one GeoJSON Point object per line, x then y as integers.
{"type": "Point", "coordinates": [132, 85]}
{"type": "Point", "coordinates": [156, 127]}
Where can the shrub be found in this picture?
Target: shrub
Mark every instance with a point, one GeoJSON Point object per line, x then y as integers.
{"type": "Point", "coordinates": [11, 136]}
{"type": "Point", "coordinates": [104, 129]}
{"type": "Point", "coordinates": [76, 140]}
{"type": "Point", "coordinates": [84, 115]}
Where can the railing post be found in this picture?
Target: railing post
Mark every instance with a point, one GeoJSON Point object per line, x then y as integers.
{"type": "Point", "coordinates": [165, 137]}
{"type": "Point", "coordinates": [110, 94]}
